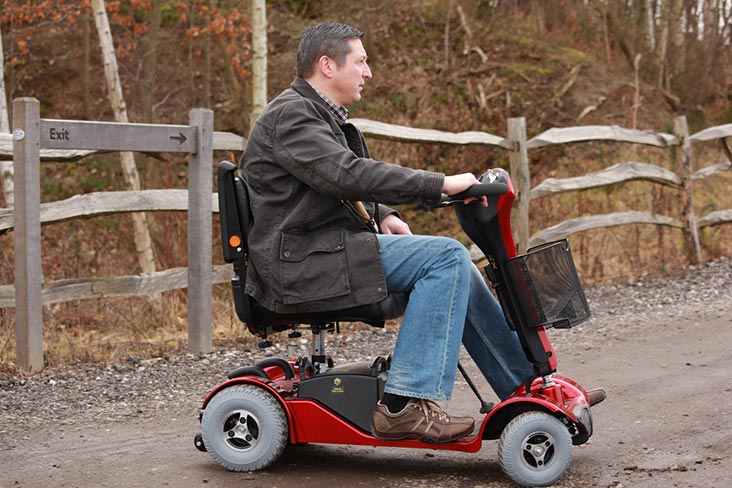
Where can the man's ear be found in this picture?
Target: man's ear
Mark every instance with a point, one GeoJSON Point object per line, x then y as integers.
{"type": "Point", "coordinates": [326, 66]}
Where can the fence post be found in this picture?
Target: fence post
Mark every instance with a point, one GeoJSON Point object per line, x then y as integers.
{"type": "Point", "coordinates": [200, 240]}
{"type": "Point", "coordinates": [521, 178]}
{"type": "Point", "coordinates": [691, 231]}
{"type": "Point", "coordinates": [27, 234]}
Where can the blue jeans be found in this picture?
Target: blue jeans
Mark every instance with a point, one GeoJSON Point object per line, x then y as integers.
{"type": "Point", "coordinates": [449, 302]}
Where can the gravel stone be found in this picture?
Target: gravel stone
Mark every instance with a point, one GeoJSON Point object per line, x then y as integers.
{"type": "Point", "coordinates": [138, 388]}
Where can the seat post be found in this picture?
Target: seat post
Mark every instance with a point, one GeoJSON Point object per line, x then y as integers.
{"type": "Point", "coordinates": [320, 360]}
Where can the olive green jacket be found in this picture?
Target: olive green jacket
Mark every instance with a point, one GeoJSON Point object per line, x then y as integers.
{"type": "Point", "coordinates": [308, 249]}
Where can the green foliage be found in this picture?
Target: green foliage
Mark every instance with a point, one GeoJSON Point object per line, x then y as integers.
{"type": "Point", "coordinates": [170, 15]}
{"type": "Point", "coordinates": [576, 55]}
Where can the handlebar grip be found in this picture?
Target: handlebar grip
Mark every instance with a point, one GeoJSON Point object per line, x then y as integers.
{"type": "Point", "coordinates": [487, 189]}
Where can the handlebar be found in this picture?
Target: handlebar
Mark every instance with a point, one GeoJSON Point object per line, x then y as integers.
{"type": "Point", "coordinates": [479, 190]}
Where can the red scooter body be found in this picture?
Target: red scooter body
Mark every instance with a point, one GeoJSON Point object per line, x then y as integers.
{"type": "Point", "coordinates": [311, 422]}
{"type": "Point", "coordinates": [318, 417]}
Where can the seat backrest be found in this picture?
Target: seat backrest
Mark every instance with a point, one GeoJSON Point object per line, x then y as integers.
{"type": "Point", "coordinates": [235, 215]}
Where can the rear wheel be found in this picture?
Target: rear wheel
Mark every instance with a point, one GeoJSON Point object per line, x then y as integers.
{"type": "Point", "coordinates": [244, 428]}
{"type": "Point", "coordinates": [535, 449]}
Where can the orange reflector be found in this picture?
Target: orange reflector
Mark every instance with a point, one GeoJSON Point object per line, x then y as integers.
{"type": "Point", "coordinates": [234, 241]}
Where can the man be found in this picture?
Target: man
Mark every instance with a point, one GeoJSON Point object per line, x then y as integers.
{"type": "Point", "coordinates": [314, 246]}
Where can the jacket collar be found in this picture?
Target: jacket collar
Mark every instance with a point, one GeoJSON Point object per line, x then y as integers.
{"type": "Point", "coordinates": [301, 86]}
{"type": "Point", "coordinates": [306, 90]}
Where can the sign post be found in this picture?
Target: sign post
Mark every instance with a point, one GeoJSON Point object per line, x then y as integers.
{"type": "Point", "coordinates": [200, 234]}
{"type": "Point", "coordinates": [31, 134]}
{"type": "Point", "coordinates": [27, 235]}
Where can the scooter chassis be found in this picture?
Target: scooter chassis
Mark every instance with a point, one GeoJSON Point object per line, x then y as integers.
{"type": "Point", "coordinates": [312, 422]}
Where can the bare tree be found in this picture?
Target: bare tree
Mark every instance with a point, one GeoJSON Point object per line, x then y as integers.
{"type": "Point", "coordinates": [151, 61]}
{"type": "Point", "coordinates": [207, 58]}
{"type": "Point", "coordinates": [258, 15]}
{"type": "Point", "coordinates": [6, 167]}
{"type": "Point", "coordinates": [539, 16]}
{"type": "Point", "coordinates": [143, 243]}
{"type": "Point", "coordinates": [86, 61]}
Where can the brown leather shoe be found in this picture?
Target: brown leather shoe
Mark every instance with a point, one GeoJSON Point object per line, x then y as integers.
{"type": "Point", "coordinates": [420, 419]}
{"type": "Point", "coordinates": [596, 396]}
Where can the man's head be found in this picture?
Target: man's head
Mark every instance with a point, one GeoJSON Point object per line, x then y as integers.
{"type": "Point", "coordinates": [324, 39]}
{"type": "Point", "coordinates": [332, 58]}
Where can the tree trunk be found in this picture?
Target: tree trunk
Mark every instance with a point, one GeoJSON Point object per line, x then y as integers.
{"type": "Point", "coordinates": [86, 66]}
{"type": "Point", "coordinates": [151, 62]}
{"type": "Point", "coordinates": [207, 58]}
{"type": "Point", "coordinates": [143, 244]}
{"type": "Point", "coordinates": [192, 98]}
{"type": "Point", "coordinates": [6, 167]}
{"type": "Point", "coordinates": [258, 15]}
{"type": "Point", "coordinates": [677, 55]}
{"type": "Point", "coordinates": [539, 17]}
{"type": "Point", "coordinates": [662, 48]}
{"type": "Point", "coordinates": [650, 25]}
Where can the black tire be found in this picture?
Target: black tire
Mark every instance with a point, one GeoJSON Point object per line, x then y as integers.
{"type": "Point", "coordinates": [535, 449]}
{"type": "Point", "coordinates": [198, 442]}
{"type": "Point", "coordinates": [244, 428]}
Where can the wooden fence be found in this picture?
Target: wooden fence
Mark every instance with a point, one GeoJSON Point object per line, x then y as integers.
{"type": "Point", "coordinates": [36, 140]}
{"type": "Point", "coordinates": [518, 146]}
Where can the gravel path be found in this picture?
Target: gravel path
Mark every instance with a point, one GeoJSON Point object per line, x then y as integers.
{"type": "Point", "coordinates": [139, 389]}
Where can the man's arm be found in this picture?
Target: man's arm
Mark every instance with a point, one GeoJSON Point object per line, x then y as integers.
{"type": "Point", "coordinates": [306, 146]}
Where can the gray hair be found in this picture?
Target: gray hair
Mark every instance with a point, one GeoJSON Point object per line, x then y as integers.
{"type": "Point", "coordinates": [324, 39]}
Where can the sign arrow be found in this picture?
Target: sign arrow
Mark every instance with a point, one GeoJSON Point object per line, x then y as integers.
{"type": "Point", "coordinates": [114, 136]}
{"type": "Point", "coordinates": [180, 138]}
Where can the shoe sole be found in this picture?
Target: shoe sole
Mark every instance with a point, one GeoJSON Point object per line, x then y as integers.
{"type": "Point", "coordinates": [425, 439]}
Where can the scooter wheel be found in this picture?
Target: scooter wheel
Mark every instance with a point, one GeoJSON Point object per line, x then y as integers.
{"type": "Point", "coordinates": [198, 442]}
{"type": "Point", "coordinates": [244, 428]}
{"type": "Point", "coordinates": [535, 449]}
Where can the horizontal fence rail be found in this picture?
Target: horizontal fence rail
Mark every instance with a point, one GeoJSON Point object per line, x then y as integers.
{"type": "Point", "coordinates": [222, 141]}
{"type": "Point", "coordinates": [580, 224]}
{"type": "Point", "coordinates": [118, 286]}
{"type": "Point", "coordinates": [619, 173]}
{"type": "Point", "coordinates": [54, 146]}
{"type": "Point", "coordinates": [100, 203]}
{"type": "Point", "coordinates": [402, 133]}
{"type": "Point", "coordinates": [567, 135]}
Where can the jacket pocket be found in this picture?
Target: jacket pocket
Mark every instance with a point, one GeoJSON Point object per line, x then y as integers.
{"type": "Point", "coordinates": [313, 266]}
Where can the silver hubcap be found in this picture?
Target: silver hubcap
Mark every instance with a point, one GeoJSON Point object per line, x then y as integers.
{"type": "Point", "coordinates": [538, 449]}
{"type": "Point", "coordinates": [240, 430]}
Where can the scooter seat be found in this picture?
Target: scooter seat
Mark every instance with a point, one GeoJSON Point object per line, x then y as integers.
{"type": "Point", "coordinates": [235, 218]}
{"type": "Point", "coordinates": [374, 314]}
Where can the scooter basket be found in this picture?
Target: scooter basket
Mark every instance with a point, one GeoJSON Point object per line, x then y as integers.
{"type": "Point", "coordinates": [547, 287]}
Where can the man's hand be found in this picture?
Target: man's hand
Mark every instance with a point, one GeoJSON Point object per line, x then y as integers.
{"type": "Point", "coordinates": [391, 224]}
{"type": "Point", "coordinates": [459, 183]}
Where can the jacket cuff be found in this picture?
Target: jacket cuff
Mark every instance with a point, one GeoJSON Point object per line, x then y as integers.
{"type": "Point", "coordinates": [384, 211]}
{"type": "Point", "coordinates": [431, 188]}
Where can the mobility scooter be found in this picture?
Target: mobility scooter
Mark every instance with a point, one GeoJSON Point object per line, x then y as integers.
{"type": "Point", "coordinates": [248, 420]}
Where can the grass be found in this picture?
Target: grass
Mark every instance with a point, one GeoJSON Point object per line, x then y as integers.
{"type": "Point", "coordinates": [107, 331]}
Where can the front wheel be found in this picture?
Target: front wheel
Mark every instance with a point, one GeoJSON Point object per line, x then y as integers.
{"type": "Point", "coordinates": [535, 449]}
{"type": "Point", "coordinates": [244, 428]}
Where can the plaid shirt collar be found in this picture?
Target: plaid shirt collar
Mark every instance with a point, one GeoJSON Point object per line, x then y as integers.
{"type": "Point", "coordinates": [340, 112]}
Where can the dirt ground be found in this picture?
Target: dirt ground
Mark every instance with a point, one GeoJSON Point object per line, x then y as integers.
{"type": "Point", "coordinates": [665, 424]}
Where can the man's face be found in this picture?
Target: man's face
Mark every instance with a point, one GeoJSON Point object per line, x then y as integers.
{"type": "Point", "coordinates": [350, 77]}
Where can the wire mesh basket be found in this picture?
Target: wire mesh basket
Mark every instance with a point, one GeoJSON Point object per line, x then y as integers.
{"type": "Point", "coordinates": [547, 286]}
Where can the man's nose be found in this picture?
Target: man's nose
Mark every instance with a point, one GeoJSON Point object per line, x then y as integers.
{"type": "Point", "coordinates": [366, 71]}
